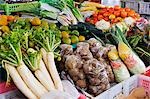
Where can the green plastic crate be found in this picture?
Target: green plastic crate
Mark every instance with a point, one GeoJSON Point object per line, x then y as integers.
{"type": "Point", "coordinates": [29, 6]}
{"type": "Point", "coordinates": [2, 6]}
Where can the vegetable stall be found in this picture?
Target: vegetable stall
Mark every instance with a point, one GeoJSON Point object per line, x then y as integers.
{"type": "Point", "coordinates": [58, 45]}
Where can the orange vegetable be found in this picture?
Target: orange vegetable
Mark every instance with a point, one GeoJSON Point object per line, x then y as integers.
{"type": "Point", "coordinates": [3, 17]}
{"type": "Point", "coordinates": [131, 14]}
{"type": "Point", "coordinates": [3, 21]}
{"type": "Point", "coordinates": [116, 7]}
{"type": "Point", "coordinates": [117, 13]}
{"type": "Point", "coordinates": [106, 14]}
{"type": "Point", "coordinates": [10, 18]}
{"type": "Point", "coordinates": [124, 14]}
{"type": "Point", "coordinates": [100, 17]}
{"type": "Point", "coordinates": [127, 9]}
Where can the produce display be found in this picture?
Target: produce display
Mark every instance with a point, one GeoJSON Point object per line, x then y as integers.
{"type": "Point", "coordinates": [90, 45]}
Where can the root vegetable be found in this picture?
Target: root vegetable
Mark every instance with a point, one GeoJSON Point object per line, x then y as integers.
{"type": "Point", "coordinates": [81, 83]}
{"type": "Point", "coordinates": [53, 71]}
{"type": "Point", "coordinates": [74, 72]}
{"type": "Point", "coordinates": [31, 81]}
{"type": "Point", "coordinates": [19, 82]}
{"type": "Point", "coordinates": [50, 84]}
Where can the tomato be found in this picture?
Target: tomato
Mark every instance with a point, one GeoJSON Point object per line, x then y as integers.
{"type": "Point", "coordinates": [117, 13]}
{"type": "Point", "coordinates": [111, 10]}
{"type": "Point", "coordinates": [95, 15]}
{"type": "Point", "coordinates": [10, 18]}
{"type": "Point", "coordinates": [106, 19]}
{"type": "Point", "coordinates": [92, 21]}
{"type": "Point", "coordinates": [106, 14]}
{"type": "Point", "coordinates": [116, 7]}
{"type": "Point", "coordinates": [127, 9]}
{"type": "Point", "coordinates": [102, 11]}
{"type": "Point", "coordinates": [87, 19]}
{"type": "Point", "coordinates": [100, 17]}
{"type": "Point", "coordinates": [121, 9]}
{"type": "Point", "coordinates": [124, 14]}
{"type": "Point", "coordinates": [112, 16]}
{"type": "Point", "coordinates": [131, 14]}
{"type": "Point", "coordinates": [132, 11]}
{"type": "Point", "coordinates": [114, 21]}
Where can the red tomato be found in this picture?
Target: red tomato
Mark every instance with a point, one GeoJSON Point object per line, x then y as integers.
{"type": "Point", "coordinates": [111, 10]}
{"type": "Point", "coordinates": [117, 13]}
{"type": "Point", "coordinates": [100, 17]}
{"type": "Point", "coordinates": [121, 9]}
{"type": "Point", "coordinates": [92, 21]}
{"type": "Point", "coordinates": [131, 14]}
{"type": "Point", "coordinates": [102, 11]}
{"type": "Point", "coordinates": [95, 15]}
{"type": "Point", "coordinates": [127, 9]}
{"type": "Point", "coordinates": [116, 7]}
{"type": "Point", "coordinates": [87, 19]}
{"type": "Point", "coordinates": [106, 19]}
{"type": "Point", "coordinates": [124, 14]}
{"type": "Point", "coordinates": [106, 14]}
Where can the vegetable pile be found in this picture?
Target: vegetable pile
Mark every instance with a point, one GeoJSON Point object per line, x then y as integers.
{"type": "Point", "coordinates": [112, 45]}
{"type": "Point", "coordinates": [28, 56]}
{"type": "Point", "coordinates": [112, 14]}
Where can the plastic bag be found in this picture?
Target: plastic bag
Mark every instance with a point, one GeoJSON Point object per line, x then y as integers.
{"type": "Point", "coordinates": [57, 95]}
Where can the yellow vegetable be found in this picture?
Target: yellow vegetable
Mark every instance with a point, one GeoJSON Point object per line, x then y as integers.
{"type": "Point", "coordinates": [36, 21]}
{"type": "Point", "coordinates": [81, 38]}
{"type": "Point", "coordinates": [88, 3]}
{"type": "Point", "coordinates": [65, 34]}
{"type": "Point", "coordinates": [124, 50]}
{"type": "Point", "coordinates": [91, 8]}
{"type": "Point", "coordinates": [5, 29]}
{"type": "Point", "coordinates": [113, 54]}
{"type": "Point", "coordinates": [3, 21]}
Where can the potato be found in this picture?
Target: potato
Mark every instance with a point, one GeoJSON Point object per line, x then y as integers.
{"type": "Point", "coordinates": [81, 83]}
{"type": "Point", "coordinates": [81, 75]}
{"type": "Point", "coordinates": [75, 78]}
{"type": "Point", "coordinates": [94, 81]}
{"type": "Point", "coordinates": [74, 72]}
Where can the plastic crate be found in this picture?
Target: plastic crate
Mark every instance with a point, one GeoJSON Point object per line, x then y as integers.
{"type": "Point", "coordinates": [115, 91]}
{"type": "Point", "coordinates": [133, 4]}
{"type": "Point", "coordinates": [29, 6]}
{"type": "Point", "coordinates": [144, 8]}
{"type": "Point", "coordinates": [130, 84]}
{"type": "Point", "coordinates": [2, 6]}
{"type": "Point", "coordinates": [144, 81]}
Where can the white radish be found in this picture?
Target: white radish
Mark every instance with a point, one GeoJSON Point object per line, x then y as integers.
{"type": "Point", "coordinates": [37, 88]}
{"type": "Point", "coordinates": [44, 55]}
{"type": "Point", "coordinates": [44, 77]}
{"type": "Point", "coordinates": [53, 71]}
{"type": "Point", "coordinates": [19, 82]}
